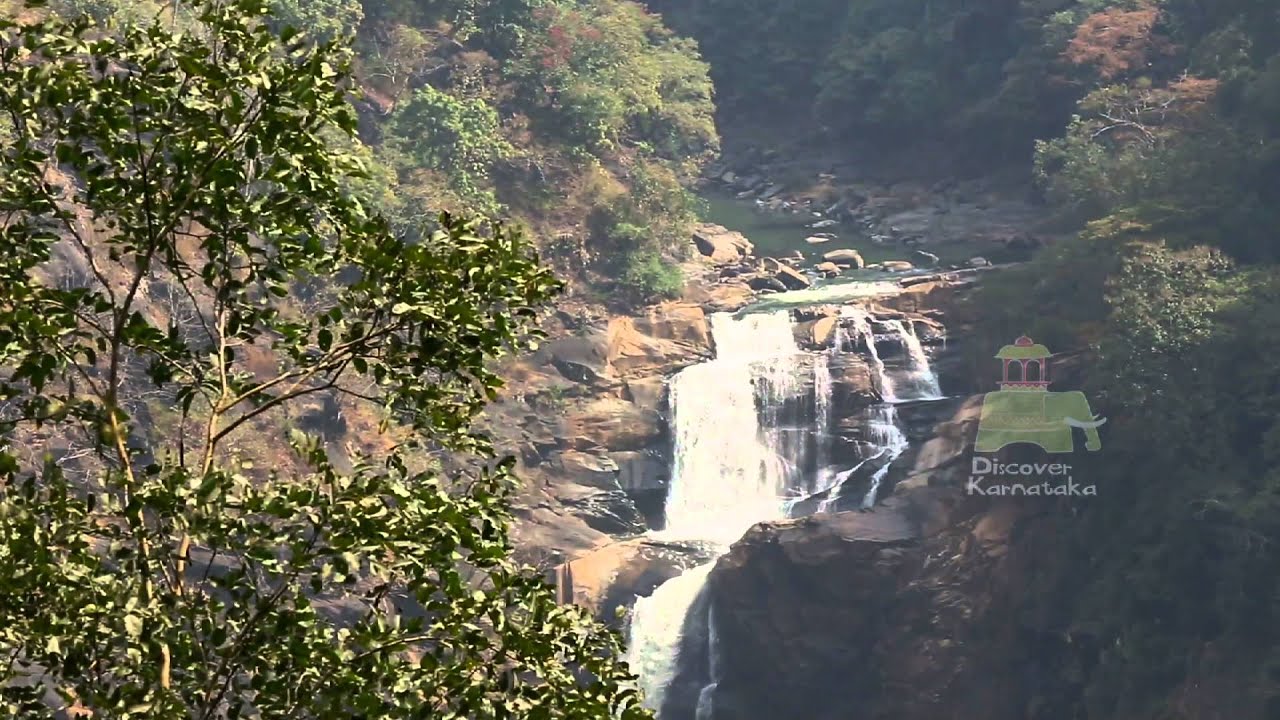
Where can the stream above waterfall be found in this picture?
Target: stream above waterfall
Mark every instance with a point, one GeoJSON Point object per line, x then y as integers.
{"type": "Point", "coordinates": [766, 431]}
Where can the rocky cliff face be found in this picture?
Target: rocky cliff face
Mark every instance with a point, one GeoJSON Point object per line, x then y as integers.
{"type": "Point", "coordinates": [587, 415]}
{"type": "Point", "coordinates": [903, 612]}
{"type": "Point", "coordinates": [933, 606]}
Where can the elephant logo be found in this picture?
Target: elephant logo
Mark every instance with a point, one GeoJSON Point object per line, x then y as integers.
{"type": "Point", "coordinates": [1024, 411]}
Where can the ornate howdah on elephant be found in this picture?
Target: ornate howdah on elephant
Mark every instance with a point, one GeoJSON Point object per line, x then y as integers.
{"type": "Point", "coordinates": [1024, 411]}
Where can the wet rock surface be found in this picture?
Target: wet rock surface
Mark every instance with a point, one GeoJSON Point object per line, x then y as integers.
{"type": "Point", "coordinates": [611, 576]}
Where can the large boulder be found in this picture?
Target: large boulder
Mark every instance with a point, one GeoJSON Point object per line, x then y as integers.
{"type": "Point", "coordinates": [926, 296]}
{"type": "Point", "coordinates": [781, 271]}
{"type": "Point", "coordinates": [588, 469]}
{"type": "Point", "coordinates": [770, 265]}
{"type": "Point", "coordinates": [791, 278]}
{"type": "Point", "coordinates": [545, 529]}
{"type": "Point", "coordinates": [608, 510]}
{"type": "Point", "coordinates": [845, 257]}
{"type": "Point", "coordinates": [681, 321]}
{"type": "Point", "coordinates": [612, 576]}
{"type": "Point", "coordinates": [848, 601]}
{"type": "Point", "coordinates": [829, 269]}
{"type": "Point", "coordinates": [766, 282]}
{"type": "Point", "coordinates": [721, 244]}
{"type": "Point", "coordinates": [632, 350]}
{"type": "Point", "coordinates": [897, 266]}
{"type": "Point", "coordinates": [580, 358]}
{"type": "Point", "coordinates": [720, 297]}
{"type": "Point", "coordinates": [587, 485]}
{"type": "Point", "coordinates": [613, 424]}
{"type": "Point", "coordinates": [774, 615]}
{"type": "Point", "coordinates": [649, 392]}
{"type": "Point", "coordinates": [816, 334]}
{"type": "Point", "coordinates": [943, 457]}
{"type": "Point", "coordinates": [853, 383]}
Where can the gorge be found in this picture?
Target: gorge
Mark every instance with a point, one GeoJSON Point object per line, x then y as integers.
{"type": "Point", "coordinates": [755, 436]}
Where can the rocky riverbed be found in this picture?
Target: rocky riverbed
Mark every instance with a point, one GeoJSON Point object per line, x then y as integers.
{"type": "Point", "coordinates": [587, 415]}
{"type": "Point", "coordinates": [944, 222]}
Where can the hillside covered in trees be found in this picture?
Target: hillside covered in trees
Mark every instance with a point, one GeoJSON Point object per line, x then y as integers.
{"type": "Point", "coordinates": [583, 121]}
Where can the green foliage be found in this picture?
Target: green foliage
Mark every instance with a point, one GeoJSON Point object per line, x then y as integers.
{"type": "Point", "coordinates": [155, 574]}
{"type": "Point", "coordinates": [519, 106]}
{"type": "Point", "coordinates": [883, 67]}
{"type": "Point", "coordinates": [661, 204]}
{"type": "Point", "coordinates": [635, 235]}
{"type": "Point", "coordinates": [394, 55]}
{"type": "Point", "coordinates": [1171, 289]}
{"type": "Point", "coordinates": [322, 20]}
{"type": "Point", "coordinates": [649, 276]}
{"type": "Point", "coordinates": [609, 73]}
{"type": "Point", "coordinates": [460, 138]}
{"type": "Point", "coordinates": [120, 12]}
{"type": "Point", "coordinates": [1185, 371]}
{"type": "Point", "coordinates": [763, 54]}
{"type": "Point", "coordinates": [1172, 174]}
{"type": "Point", "coordinates": [882, 78]}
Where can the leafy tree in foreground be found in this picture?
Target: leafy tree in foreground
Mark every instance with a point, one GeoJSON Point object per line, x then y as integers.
{"type": "Point", "coordinates": [174, 236]}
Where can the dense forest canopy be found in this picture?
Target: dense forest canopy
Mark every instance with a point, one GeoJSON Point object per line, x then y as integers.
{"type": "Point", "coordinates": [997, 74]}
{"type": "Point", "coordinates": [544, 111]}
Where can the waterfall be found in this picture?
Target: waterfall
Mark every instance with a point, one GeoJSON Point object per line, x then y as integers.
{"type": "Point", "coordinates": [737, 458]}
{"type": "Point", "coordinates": [862, 328]}
{"type": "Point", "coordinates": [884, 433]}
{"type": "Point", "coordinates": [730, 473]}
{"type": "Point", "coordinates": [822, 392]}
{"type": "Point", "coordinates": [706, 702]}
{"type": "Point", "coordinates": [731, 470]}
{"type": "Point", "coordinates": [917, 382]}
{"type": "Point", "coordinates": [921, 380]}
{"type": "Point", "coordinates": [657, 624]}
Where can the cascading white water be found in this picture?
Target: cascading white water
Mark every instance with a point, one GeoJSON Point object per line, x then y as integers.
{"type": "Point", "coordinates": [862, 327]}
{"type": "Point", "coordinates": [729, 472]}
{"type": "Point", "coordinates": [822, 386]}
{"type": "Point", "coordinates": [657, 625]}
{"type": "Point", "coordinates": [822, 397]}
{"type": "Point", "coordinates": [706, 702]}
{"type": "Point", "coordinates": [921, 382]}
{"type": "Point", "coordinates": [733, 465]}
{"type": "Point", "coordinates": [884, 433]}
